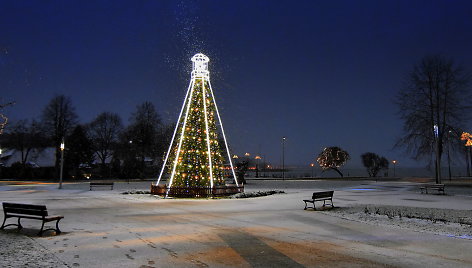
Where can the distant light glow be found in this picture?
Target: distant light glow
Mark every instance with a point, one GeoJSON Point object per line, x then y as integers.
{"type": "Point", "coordinates": [467, 137]}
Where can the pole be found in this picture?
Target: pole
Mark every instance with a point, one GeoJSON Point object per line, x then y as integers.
{"type": "Point", "coordinates": [283, 158]}
{"type": "Point", "coordinates": [1, 164]}
{"type": "Point", "coordinates": [62, 163]}
{"type": "Point", "coordinates": [467, 161]}
{"type": "Point", "coordinates": [470, 160]}
{"type": "Point", "coordinates": [449, 162]}
{"type": "Point", "coordinates": [438, 159]}
{"type": "Point", "coordinates": [257, 167]}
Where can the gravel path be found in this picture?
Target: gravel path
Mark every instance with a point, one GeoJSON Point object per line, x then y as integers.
{"type": "Point", "coordinates": [18, 250]}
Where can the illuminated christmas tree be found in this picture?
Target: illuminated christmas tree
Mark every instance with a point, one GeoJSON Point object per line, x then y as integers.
{"type": "Point", "coordinates": [198, 150]}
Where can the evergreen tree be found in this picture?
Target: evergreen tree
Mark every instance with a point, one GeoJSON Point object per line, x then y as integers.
{"type": "Point", "coordinates": [79, 152]}
{"type": "Point", "coordinates": [196, 155]}
{"type": "Point", "coordinates": [194, 162]}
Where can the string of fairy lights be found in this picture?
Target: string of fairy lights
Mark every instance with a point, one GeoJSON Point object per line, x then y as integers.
{"type": "Point", "coordinates": [196, 157]}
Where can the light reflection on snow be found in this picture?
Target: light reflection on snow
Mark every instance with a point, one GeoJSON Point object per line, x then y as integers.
{"type": "Point", "coordinates": [460, 236]}
{"type": "Point", "coordinates": [362, 189]}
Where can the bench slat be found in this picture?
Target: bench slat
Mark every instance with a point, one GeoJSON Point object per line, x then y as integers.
{"type": "Point", "coordinates": [26, 211]}
{"type": "Point", "coordinates": [318, 195]}
{"type": "Point", "coordinates": [28, 206]}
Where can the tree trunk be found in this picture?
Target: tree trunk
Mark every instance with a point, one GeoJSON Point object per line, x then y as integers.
{"type": "Point", "coordinates": [339, 172]}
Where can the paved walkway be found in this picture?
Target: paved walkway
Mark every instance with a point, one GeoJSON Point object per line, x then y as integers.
{"type": "Point", "coordinates": [107, 229]}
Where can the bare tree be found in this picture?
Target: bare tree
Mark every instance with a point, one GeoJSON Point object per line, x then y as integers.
{"type": "Point", "coordinates": [24, 136]}
{"type": "Point", "coordinates": [104, 132]}
{"type": "Point", "coordinates": [435, 100]}
{"type": "Point", "coordinates": [374, 163]}
{"type": "Point", "coordinates": [58, 120]}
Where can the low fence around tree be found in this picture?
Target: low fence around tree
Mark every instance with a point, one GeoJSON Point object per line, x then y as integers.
{"type": "Point", "coordinates": [220, 190]}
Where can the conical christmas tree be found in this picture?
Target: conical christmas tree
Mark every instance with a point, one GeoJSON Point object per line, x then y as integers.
{"type": "Point", "coordinates": [198, 151]}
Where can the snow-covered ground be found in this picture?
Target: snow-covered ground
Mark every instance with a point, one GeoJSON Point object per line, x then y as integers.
{"type": "Point", "coordinates": [377, 224]}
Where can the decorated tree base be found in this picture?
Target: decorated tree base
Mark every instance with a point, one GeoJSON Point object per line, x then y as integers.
{"type": "Point", "coordinates": [196, 192]}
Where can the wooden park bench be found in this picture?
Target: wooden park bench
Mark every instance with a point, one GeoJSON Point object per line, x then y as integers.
{"type": "Point", "coordinates": [320, 196]}
{"type": "Point", "coordinates": [438, 187]}
{"type": "Point", "coordinates": [28, 211]}
{"type": "Point", "coordinates": [101, 184]}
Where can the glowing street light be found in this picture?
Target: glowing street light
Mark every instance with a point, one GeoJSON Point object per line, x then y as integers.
{"type": "Point", "coordinates": [394, 162]}
{"type": "Point", "coordinates": [312, 165]}
{"type": "Point", "coordinates": [63, 146]}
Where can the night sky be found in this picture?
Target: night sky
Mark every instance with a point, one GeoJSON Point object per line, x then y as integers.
{"type": "Point", "coordinates": [321, 73]}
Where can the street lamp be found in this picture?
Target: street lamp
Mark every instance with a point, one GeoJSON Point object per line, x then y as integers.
{"type": "Point", "coordinates": [63, 146]}
{"type": "Point", "coordinates": [257, 165]}
{"type": "Point", "coordinates": [283, 157]}
{"type": "Point", "coordinates": [448, 155]}
{"type": "Point", "coordinates": [438, 160]}
{"type": "Point", "coordinates": [312, 165]}
{"type": "Point", "coordinates": [394, 162]}
{"type": "Point", "coordinates": [1, 163]}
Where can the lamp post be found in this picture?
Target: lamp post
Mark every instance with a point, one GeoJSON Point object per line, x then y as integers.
{"type": "Point", "coordinates": [62, 163]}
{"type": "Point", "coordinates": [257, 165]}
{"type": "Point", "coordinates": [448, 155]}
{"type": "Point", "coordinates": [283, 157]}
{"type": "Point", "coordinates": [312, 169]}
{"type": "Point", "coordinates": [394, 162]}
{"type": "Point", "coordinates": [1, 163]}
{"type": "Point", "coordinates": [467, 137]}
{"type": "Point", "coordinates": [438, 160]}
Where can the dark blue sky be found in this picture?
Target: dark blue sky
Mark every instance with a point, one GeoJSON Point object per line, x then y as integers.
{"type": "Point", "coordinates": [322, 73]}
